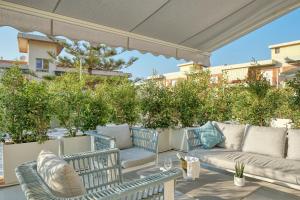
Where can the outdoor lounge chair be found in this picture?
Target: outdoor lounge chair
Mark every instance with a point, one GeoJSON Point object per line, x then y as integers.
{"type": "Point", "coordinates": [100, 172]}
{"type": "Point", "coordinates": [138, 145]}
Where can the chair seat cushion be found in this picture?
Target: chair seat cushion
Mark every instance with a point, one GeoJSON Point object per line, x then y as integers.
{"type": "Point", "coordinates": [120, 132]}
{"type": "Point", "coordinates": [136, 156]}
{"type": "Point", "coordinates": [260, 165]}
{"type": "Point", "coordinates": [60, 177]}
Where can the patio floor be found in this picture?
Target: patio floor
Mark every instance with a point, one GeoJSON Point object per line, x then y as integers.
{"type": "Point", "coordinates": [212, 185]}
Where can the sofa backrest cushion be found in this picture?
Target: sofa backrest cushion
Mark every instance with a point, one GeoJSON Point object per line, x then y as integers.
{"type": "Point", "coordinates": [293, 151]}
{"type": "Point", "coordinates": [265, 140]}
{"type": "Point", "coordinates": [120, 132]}
{"type": "Point", "coordinates": [60, 177]}
{"type": "Point", "coordinates": [210, 136]}
{"type": "Point", "coordinates": [233, 135]}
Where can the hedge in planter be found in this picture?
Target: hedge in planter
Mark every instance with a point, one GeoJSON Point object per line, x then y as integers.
{"type": "Point", "coordinates": [295, 99]}
{"type": "Point", "coordinates": [125, 103]}
{"type": "Point", "coordinates": [25, 110]}
{"type": "Point", "coordinates": [68, 99]}
{"type": "Point", "coordinates": [96, 110]}
{"type": "Point", "coordinates": [187, 101]}
{"type": "Point", "coordinates": [157, 106]}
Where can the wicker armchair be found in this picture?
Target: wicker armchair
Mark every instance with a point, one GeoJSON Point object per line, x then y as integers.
{"type": "Point", "coordinates": [143, 152]}
{"type": "Point", "coordinates": [102, 177]}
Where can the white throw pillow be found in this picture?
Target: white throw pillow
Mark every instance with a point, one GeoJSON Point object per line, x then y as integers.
{"type": "Point", "coordinates": [293, 144]}
{"type": "Point", "coordinates": [120, 132]}
{"type": "Point", "coordinates": [265, 140]}
{"type": "Point", "coordinates": [60, 177]}
{"type": "Point", "coordinates": [233, 134]}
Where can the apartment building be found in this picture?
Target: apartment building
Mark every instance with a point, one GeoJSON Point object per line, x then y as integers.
{"type": "Point", "coordinates": [37, 59]}
{"type": "Point", "coordinates": [283, 65]}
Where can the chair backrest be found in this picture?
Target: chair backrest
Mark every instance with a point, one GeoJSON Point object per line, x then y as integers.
{"type": "Point", "coordinates": [99, 170]}
{"type": "Point", "coordinates": [145, 138]}
{"type": "Point", "coordinates": [193, 138]}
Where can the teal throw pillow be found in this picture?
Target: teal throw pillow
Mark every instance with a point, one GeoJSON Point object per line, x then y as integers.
{"type": "Point", "coordinates": [210, 136]}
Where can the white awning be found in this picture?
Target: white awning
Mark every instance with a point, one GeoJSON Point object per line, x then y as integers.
{"type": "Point", "coordinates": [188, 29]}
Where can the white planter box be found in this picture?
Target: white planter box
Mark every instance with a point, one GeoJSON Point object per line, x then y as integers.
{"type": "Point", "coordinates": [178, 139]}
{"type": "Point", "coordinates": [163, 139]}
{"type": "Point", "coordinates": [77, 144]}
{"type": "Point", "coordinates": [281, 123]}
{"type": "Point", "coordinates": [16, 154]}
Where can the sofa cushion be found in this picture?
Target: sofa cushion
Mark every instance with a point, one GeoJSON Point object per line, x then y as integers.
{"type": "Point", "coordinates": [233, 135]}
{"type": "Point", "coordinates": [60, 177]}
{"type": "Point", "coordinates": [120, 132]}
{"type": "Point", "coordinates": [210, 136]}
{"type": "Point", "coordinates": [265, 140]}
{"type": "Point", "coordinates": [293, 144]}
{"type": "Point", "coordinates": [136, 156]}
{"type": "Point", "coordinates": [260, 165]}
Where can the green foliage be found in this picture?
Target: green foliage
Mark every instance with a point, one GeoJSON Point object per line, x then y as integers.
{"type": "Point", "coordinates": [239, 169]}
{"type": "Point", "coordinates": [96, 108]}
{"type": "Point", "coordinates": [189, 98]}
{"type": "Point", "coordinates": [250, 102]}
{"type": "Point", "coordinates": [124, 102]}
{"type": "Point", "coordinates": [82, 104]}
{"type": "Point", "coordinates": [295, 85]}
{"type": "Point", "coordinates": [13, 110]}
{"type": "Point", "coordinates": [295, 98]}
{"type": "Point", "coordinates": [157, 106]}
{"type": "Point", "coordinates": [99, 57]}
{"type": "Point", "coordinates": [68, 100]}
{"type": "Point", "coordinates": [24, 106]}
{"type": "Point", "coordinates": [258, 86]}
{"type": "Point", "coordinates": [39, 109]}
{"type": "Point", "coordinates": [217, 100]}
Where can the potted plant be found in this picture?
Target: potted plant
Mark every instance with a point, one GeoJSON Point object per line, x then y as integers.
{"type": "Point", "coordinates": [25, 114]}
{"type": "Point", "coordinates": [189, 97]}
{"type": "Point", "coordinates": [239, 179]}
{"type": "Point", "coordinates": [157, 109]}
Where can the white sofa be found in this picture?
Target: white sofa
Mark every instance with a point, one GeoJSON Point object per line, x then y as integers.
{"type": "Point", "coordinates": [272, 154]}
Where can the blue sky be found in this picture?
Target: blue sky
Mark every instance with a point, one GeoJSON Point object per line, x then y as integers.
{"type": "Point", "coordinates": [254, 44]}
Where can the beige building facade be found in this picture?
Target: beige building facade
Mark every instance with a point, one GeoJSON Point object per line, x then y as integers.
{"type": "Point", "coordinates": [283, 65]}
{"type": "Point", "coordinates": [36, 49]}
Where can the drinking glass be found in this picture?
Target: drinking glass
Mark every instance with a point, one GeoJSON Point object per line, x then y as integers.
{"type": "Point", "coordinates": [168, 164]}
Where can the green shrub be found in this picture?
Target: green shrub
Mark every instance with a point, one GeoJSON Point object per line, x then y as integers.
{"type": "Point", "coordinates": [187, 100]}
{"type": "Point", "coordinates": [96, 108]}
{"type": "Point", "coordinates": [218, 104]}
{"type": "Point", "coordinates": [13, 108]}
{"type": "Point", "coordinates": [157, 106]}
{"type": "Point", "coordinates": [68, 99]}
{"type": "Point", "coordinates": [25, 111]}
{"type": "Point", "coordinates": [39, 109]}
{"type": "Point", "coordinates": [124, 102]}
{"type": "Point", "coordinates": [295, 99]}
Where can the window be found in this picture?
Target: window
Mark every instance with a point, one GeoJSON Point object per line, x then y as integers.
{"type": "Point", "coordinates": [42, 64]}
{"type": "Point", "coordinates": [173, 82]}
{"type": "Point", "coordinates": [277, 50]}
{"type": "Point", "coordinates": [214, 79]}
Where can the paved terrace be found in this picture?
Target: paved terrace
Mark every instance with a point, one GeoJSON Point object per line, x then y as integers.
{"type": "Point", "coordinates": [212, 185]}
